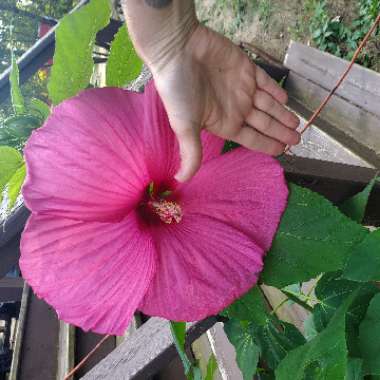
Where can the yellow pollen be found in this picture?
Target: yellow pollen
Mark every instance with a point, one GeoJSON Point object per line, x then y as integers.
{"type": "Point", "coordinates": [167, 211]}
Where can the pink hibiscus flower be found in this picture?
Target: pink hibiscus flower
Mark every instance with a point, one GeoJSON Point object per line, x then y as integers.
{"type": "Point", "coordinates": [111, 231]}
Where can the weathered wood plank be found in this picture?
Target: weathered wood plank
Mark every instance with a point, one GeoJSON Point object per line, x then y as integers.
{"type": "Point", "coordinates": [361, 87]}
{"type": "Point", "coordinates": [224, 353]}
{"type": "Point", "coordinates": [85, 342]}
{"type": "Point", "coordinates": [66, 349]}
{"type": "Point", "coordinates": [10, 233]}
{"type": "Point", "coordinates": [146, 352]}
{"type": "Point", "coordinates": [338, 135]}
{"type": "Point", "coordinates": [318, 142]}
{"type": "Point", "coordinates": [360, 125]}
{"type": "Point", "coordinates": [11, 289]}
{"type": "Point", "coordinates": [9, 255]}
{"type": "Point", "coordinates": [11, 282]}
{"type": "Point", "coordinates": [19, 334]}
{"type": "Point", "coordinates": [38, 351]}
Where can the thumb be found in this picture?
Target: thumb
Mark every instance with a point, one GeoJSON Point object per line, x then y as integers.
{"type": "Point", "coordinates": [190, 148]}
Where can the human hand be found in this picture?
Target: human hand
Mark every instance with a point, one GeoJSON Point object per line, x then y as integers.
{"type": "Point", "coordinates": [212, 84]}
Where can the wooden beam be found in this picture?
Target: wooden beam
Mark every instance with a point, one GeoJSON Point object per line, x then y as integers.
{"type": "Point", "coordinates": [20, 334]}
{"type": "Point", "coordinates": [35, 355]}
{"type": "Point", "coordinates": [84, 343]}
{"type": "Point", "coordinates": [11, 282]}
{"type": "Point", "coordinates": [145, 353]}
{"type": "Point", "coordinates": [361, 87]}
{"type": "Point", "coordinates": [11, 289]}
{"type": "Point", "coordinates": [10, 234]}
{"type": "Point", "coordinates": [66, 349]}
{"type": "Point", "coordinates": [353, 111]}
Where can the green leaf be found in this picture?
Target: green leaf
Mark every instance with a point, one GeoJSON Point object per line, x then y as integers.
{"type": "Point", "coordinates": [296, 298]}
{"type": "Point", "coordinates": [309, 328]}
{"type": "Point", "coordinates": [241, 335]}
{"type": "Point", "coordinates": [22, 125]}
{"type": "Point", "coordinates": [313, 237]}
{"type": "Point", "coordinates": [369, 337]}
{"type": "Point", "coordinates": [355, 207]}
{"type": "Point", "coordinates": [123, 64]}
{"type": "Point", "coordinates": [354, 369]}
{"type": "Point", "coordinates": [249, 307]}
{"type": "Point", "coordinates": [10, 161]}
{"type": "Point", "coordinates": [325, 356]}
{"type": "Point", "coordinates": [39, 108]}
{"type": "Point", "coordinates": [364, 262]}
{"type": "Point", "coordinates": [331, 292]}
{"type": "Point", "coordinates": [75, 38]}
{"type": "Point", "coordinates": [16, 96]}
{"type": "Point", "coordinates": [178, 330]}
{"type": "Point", "coordinates": [14, 186]}
{"type": "Point", "coordinates": [212, 366]}
{"type": "Point", "coordinates": [276, 339]}
{"type": "Point", "coordinates": [195, 373]}
{"type": "Point", "coordinates": [264, 374]}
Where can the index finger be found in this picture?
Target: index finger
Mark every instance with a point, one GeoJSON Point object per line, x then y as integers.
{"type": "Point", "coordinates": [269, 85]}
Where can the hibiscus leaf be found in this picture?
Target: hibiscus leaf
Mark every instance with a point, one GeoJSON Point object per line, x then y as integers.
{"type": "Point", "coordinates": [241, 335]}
{"type": "Point", "coordinates": [331, 292]}
{"type": "Point", "coordinates": [21, 126]}
{"type": "Point", "coordinates": [354, 369]}
{"type": "Point", "coordinates": [276, 339]}
{"type": "Point", "coordinates": [369, 337]}
{"type": "Point", "coordinates": [364, 262]}
{"type": "Point", "coordinates": [39, 109]}
{"type": "Point", "coordinates": [309, 328]}
{"type": "Point", "coordinates": [355, 207]}
{"type": "Point", "coordinates": [195, 373]}
{"type": "Point", "coordinates": [296, 298]}
{"type": "Point", "coordinates": [18, 102]}
{"type": "Point", "coordinates": [178, 330]}
{"type": "Point", "coordinates": [10, 161]}
{"type": "Point", "coordinates": [75, 38]}
{"type": "Point", "coordinates": [313, 237]}
{"type": "Point", "coordinates": [249, 307]}
{"type": "Point", "coordinates": [123, 64]}
{"type": "Point", "coordinates": [14, 186]}
{"type": "Point", "coordinates": [324, 357]}
{"type": "Point", "coordinates": [212, 366]}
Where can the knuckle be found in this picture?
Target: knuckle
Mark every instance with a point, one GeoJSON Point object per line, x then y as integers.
{"type": "Point", "coordinates": [284, 95]}
{"type": "Point", "coordinates": [267, 124]}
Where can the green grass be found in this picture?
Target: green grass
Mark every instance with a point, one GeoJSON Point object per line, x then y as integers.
{"type": "Point", "coordinates": [336, 35]}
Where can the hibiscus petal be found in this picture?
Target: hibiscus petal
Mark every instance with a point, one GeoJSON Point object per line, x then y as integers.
{"type": "Point", "coordinates": [161, 146]}
{"type": "Point", "coordinates": [244, 189]}
{"type": "Point", "coordinates": [93, 274]}
{"type": "Point", "coordinates": [203, 265]}
{"type": "Point", "coordinates": [212, 146]}
{"type": "Point", "coordinates": [87, 161]}
{"type": "Point", "coordinates": [231, 211]}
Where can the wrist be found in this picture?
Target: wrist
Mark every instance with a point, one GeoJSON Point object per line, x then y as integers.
{"type": "Point", "coordinates": [165, 34]}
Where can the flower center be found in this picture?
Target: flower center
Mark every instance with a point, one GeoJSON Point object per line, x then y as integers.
{"type": "Point", "coordinates": [160, 205]}
{"type": "Point", "coordinates": [168, 211]}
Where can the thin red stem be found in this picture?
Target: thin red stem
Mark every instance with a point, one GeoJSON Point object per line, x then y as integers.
{"type": "Point", "coordinates": [342, 78]}
{"type": "Point", "coordinates": [84, 360]}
